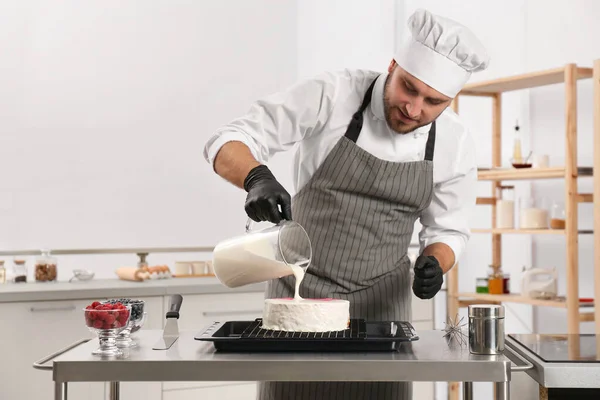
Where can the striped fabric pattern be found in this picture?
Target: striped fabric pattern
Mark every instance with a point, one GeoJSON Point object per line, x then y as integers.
{"type": "Point", "coordinates": [359, 212]}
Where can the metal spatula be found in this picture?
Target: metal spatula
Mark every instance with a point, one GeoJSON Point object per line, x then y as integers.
{"type": "Point", "coordinates": [171, 331]}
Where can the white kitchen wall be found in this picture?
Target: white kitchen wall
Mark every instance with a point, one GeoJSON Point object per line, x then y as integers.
{"type": "Point", "coordinates": [551, 41]}
{"type": "Point", "coordinates": [106, 110]}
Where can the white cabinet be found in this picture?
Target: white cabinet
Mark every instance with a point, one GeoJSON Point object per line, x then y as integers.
{"type": "Point", "coordinates": [31, 330]}
{"type": "Point", "coordinates": [197, 312]}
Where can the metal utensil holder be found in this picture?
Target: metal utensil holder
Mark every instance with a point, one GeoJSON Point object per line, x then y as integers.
{"type": "Point", "coordinates": [486, 329]}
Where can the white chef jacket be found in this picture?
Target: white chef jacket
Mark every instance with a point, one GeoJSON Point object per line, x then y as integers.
{"type": "Point", "coordinates": [315, 113]}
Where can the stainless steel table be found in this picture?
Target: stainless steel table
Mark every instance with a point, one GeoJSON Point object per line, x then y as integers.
{"type": "Point", "coordinates": [429, 359]}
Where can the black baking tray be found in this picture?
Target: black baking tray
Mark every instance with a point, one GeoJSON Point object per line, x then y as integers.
{"type": "Point", "coordinates": [248, 336]}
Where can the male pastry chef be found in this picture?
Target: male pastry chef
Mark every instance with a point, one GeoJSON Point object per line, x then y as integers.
{"type": "Point", "coordinates": [376, 151]}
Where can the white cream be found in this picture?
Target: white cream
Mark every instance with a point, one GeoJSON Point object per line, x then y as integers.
{"type": "Point", "coordinates": [299, 275]}
{"type": "Point", "coordinates": [306, 315]}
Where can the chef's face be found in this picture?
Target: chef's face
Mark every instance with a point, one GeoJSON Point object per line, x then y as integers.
{"type": "Point", "coordinates": [410, 103]}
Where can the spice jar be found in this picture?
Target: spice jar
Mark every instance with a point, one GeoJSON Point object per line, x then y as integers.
{"type": "Point", "coordinates": [506, 284]}
{"type": "Point", "coordinates": [20, 271]}
{"type": "Point", "coordinates": [45, 267]}
{"type": "Point", "coordinates": [557, 216]}
{"type": "Point", "coordinates": [496, 282]}
{"type": "Point", "coordinates": [481, 285]}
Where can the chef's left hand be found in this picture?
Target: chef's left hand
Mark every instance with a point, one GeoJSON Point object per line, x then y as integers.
{"type": "Point", "coordinates": [428, 277]}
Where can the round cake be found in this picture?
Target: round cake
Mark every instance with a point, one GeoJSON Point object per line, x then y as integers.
{"type": "Point", "coordinates": [306, 315]}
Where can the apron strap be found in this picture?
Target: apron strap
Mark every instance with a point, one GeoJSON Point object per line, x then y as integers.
{"type": "Point", "coordinates": [430, 146]}
{"type": "Point", "coordinates": [355, 125]}
{"type": "Point", "coordinates": [357, 119]}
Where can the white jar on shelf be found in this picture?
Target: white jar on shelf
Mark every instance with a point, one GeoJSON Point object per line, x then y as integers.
{"type": "Point", "coordinates": [533, 214]}
{"type": "Point", "coordinates": [505, 207]}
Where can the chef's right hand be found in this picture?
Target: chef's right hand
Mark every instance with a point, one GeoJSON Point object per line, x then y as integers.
{"type": "Point", "coordinates": [265, 194]}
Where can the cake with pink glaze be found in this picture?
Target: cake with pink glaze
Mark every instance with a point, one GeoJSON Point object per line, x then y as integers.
{"type": "Point", "coordinates": [306, 315]}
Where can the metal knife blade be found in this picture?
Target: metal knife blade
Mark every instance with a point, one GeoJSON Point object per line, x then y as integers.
{"type": "Point", "coordinates": [171, 331]}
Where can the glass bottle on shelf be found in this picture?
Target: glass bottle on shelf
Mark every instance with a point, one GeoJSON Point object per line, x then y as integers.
{"type": "Point", "coordinates": [517, 157]}
{"type": "Point", "coordinates": [558, 216]}
{"type": "Point", "coordinates": [496, 280]}
{"type": "Point", "coordinates": [20, 271]}
{"type": "Point", "coordinates": [45, 267]}
{"type": "Point", "coordinates": [506, 284]}
{"type": "Point", "coordinates": [505, 207]}
{"type": "Point", "coordinates": [517, 160]}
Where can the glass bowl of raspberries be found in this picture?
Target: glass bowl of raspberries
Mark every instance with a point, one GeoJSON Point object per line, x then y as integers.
{"type": "Point", "coordinates": [136, 320]}
{"type": "Point", "coordinates": [107, 321]}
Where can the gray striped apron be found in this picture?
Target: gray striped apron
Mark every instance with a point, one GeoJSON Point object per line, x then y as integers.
{"type": "Point", "coordinates": [359, 212]}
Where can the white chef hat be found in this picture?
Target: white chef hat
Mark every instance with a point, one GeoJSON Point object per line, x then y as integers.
{"type": "Point", "coordinates": [441, 52]}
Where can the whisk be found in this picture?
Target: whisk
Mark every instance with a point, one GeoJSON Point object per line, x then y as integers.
{"type": "Point", "coordinates": [454, 332]}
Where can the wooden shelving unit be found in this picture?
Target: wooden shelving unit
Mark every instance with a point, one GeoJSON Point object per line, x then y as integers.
{"type": "Point", "coordinates": [511, 174]}
{"type": "Point", "coordinates": [570, 172]}
{"type": "Point", "coordinates": [511, 298]}
{"type": "Point", "coordinates": [499, 231]}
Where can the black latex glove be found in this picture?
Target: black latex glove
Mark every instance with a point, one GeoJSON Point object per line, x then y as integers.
{"type": "Point", "coordinates": [265, 194]}
{"type": "Point", "coordinates": [428, 277]}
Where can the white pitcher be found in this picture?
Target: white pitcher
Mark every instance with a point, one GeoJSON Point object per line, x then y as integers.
{"type": "Point", "coordinates": [262, 255]}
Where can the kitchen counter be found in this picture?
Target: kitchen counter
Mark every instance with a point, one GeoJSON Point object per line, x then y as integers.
{"type": "Point", "coordinates": [565, 366]}
{"type": "Point", "coordinates": [99, 288]}
{"type": "Point", "coordinates": [428, 359]}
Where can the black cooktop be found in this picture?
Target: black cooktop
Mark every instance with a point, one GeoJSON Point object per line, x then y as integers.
{"type": "Point", "coordinates": [560, 348]}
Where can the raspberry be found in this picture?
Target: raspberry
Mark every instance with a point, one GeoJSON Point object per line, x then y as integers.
{"type": "Point", "coordinates": [95, 304]}
{"type": "Point", "coordinates": [89, 308]}
{"type": "Point", "coordinates": [98, 324]}
{"type": "Point", "coordinates": [110, 319]}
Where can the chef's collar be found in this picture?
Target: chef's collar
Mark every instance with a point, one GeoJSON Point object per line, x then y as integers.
{"type": "Point", "coordinates": [378, 109]}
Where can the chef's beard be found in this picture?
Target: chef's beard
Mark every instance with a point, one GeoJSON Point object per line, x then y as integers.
{"type": "Point", "coordinates": [387, 107]}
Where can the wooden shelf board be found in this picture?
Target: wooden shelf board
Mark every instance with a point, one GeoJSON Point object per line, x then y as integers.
{"type": "Point", "coordinates": [523, 81]}
{"type": "Point", "coordinates": [585, 197]}
{"type": "Point", "coordinates": [520, 231]}
{"type": "Point", "coordinates": [505, 174]}
{"type": "Point", "coordinates": [499, 174]}
{"type": "Point", "coordinates": [513, 298]}
{"type": "Point", "coordinates": [499, 231]}
{"type": "Point", "coordinates": [587, 317]}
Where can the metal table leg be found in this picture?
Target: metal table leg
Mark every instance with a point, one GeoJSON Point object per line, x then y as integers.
{"type": "Point", "coordinates": [467, 390]}
{"type": "Point", "coordinates": [58, 391]}
{"type": "Point", "coordinates": [502, 390]}
{"type": "Point", "coordinates": [115, 390]}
